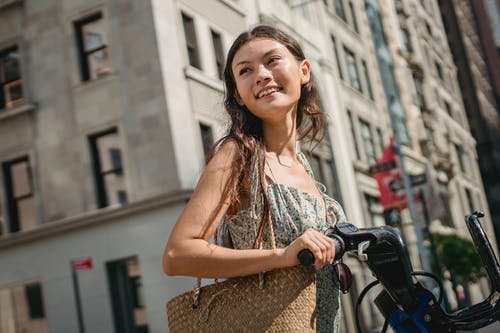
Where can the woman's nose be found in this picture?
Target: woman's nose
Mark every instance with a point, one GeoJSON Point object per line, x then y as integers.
{"type": "Point", "coordinates": [263, 74]}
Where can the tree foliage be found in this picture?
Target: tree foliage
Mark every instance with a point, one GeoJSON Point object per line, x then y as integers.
{"type": "Point", "coordinates": [457, 255]}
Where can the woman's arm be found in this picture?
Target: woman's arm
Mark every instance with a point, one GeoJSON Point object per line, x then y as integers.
{"type": "Point", "coordinates": [189, 253]}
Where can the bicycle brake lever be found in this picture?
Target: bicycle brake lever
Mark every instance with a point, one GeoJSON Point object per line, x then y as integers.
{"type": "Point", "coordinates": [361, 249]}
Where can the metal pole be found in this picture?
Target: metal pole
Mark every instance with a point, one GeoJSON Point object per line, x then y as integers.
{"type": "Point", "coordinates": [79, 314]}
{"type": "Point", "coordinates": [410, 198]}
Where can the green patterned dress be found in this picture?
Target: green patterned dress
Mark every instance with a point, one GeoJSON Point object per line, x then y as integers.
{"type": "Point", "coordinates": [293, 211]}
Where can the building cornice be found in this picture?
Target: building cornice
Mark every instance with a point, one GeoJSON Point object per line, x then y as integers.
{"type": "Point", "coordinates": [100, 216]}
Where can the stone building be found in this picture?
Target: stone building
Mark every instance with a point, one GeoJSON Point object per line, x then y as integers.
{"type": "Point", "coordinates": [109, 106]}
{"type": "Point", "coordinates": [471, 40]}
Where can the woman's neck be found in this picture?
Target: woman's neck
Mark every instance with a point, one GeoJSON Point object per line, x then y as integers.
{"type": "Point", "coordinates": [280, 139]}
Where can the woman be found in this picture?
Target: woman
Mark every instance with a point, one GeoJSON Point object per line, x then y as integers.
{"type": "Point", "coordinates": [257, 173]}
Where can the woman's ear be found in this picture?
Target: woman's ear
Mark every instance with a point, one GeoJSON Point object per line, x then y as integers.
{"type": "Point", "coordinates": [305, 70]}
{"type": "Point", "coordinates": [238, 98]}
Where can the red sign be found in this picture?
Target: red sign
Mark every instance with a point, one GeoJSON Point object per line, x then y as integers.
{"type": "Point", "coordinates": [390, 179]}
{"type": "Point", "coordinates": [82, 264]}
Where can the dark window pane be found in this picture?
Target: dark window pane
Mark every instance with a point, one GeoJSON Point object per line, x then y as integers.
{"type": "Point", "coordinates": [207, 138]}
{"type": "Point", "coordinates": [122, 197]}
{"type": "Point", "coordinates": [366, 136]}
{"type": "Point", "coordinates": [339, 9]}
{"type": "Point", "coordinates": [108, 168]}
{"type": "Point", "coordinates": [337, 58]}
{"type": "Point", "coordinates": [34, 300]}
{"type": "Point", "coordinates": [116, 160]}
{"type": "Point", "coordinates": [353, 16]}
{"type": "Point", "coordinates": [367, 79]}
{"type": "Point", "coordinates": [21, 206]}
{"type": "Point", "coordinates": [352, 70]}
{"type": "Point", "coordinates": [11, 91]}
{"type": "Point", "coordinates": [219, 53]}
{"type": "Point", "coordinates": [354, 136]}
{"type": "Point", "coordinates": [191, 43]}
{"type": "Point", "coordinates": [92, 47]}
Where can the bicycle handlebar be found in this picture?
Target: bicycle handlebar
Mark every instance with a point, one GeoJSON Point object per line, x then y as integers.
{"type": "Point", "coordinates": [383, 250]}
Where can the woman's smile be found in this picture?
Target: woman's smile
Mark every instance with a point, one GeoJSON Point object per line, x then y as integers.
{"type": "Point", "coordinates": [268, 78]}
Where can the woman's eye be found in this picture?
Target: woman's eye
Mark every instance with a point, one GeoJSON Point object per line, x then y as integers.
{"type": "Point", "coordinates": [273, 59]}
{"type": "Point", "coordinates": [244, 70]}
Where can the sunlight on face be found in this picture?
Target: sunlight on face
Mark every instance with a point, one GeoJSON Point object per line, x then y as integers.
{"type": "Point", "coordinates": [268, 78]}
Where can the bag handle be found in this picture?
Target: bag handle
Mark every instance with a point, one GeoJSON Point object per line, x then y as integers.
{"type": "Point", "coordinates": [197, 289]}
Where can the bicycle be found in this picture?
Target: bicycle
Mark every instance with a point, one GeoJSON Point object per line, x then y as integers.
{"type": "Point", "coordinates": [406, 305]}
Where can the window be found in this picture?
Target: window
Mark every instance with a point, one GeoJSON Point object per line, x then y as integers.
{"type": "Point", "coordinates": [419, 91]}
{"type": "Point", "coordinates": [439, 70]}
{"type": "Point", "coordinates": [352, 70]}
{"type": "Point", "coordinates": [470, 202]}
{"type": "Point", "coordinates": [323, 166]}
{"type": "Point", "coordinates": [11, 88]}
{"type": "Point", "coordinates": [380, 140]}
{"type": "Point", "coordinates": [21, 208]}
{"type": "Point", "coordinates": [92, 48]}
{"type": "Point", "coordinates": [127, 296]}
{"type": "Point", "coordinates": [460, 157]}
{"type": "Point", "coordinates": [353, 17]}
{"type": "Point", "coordinates": [33, 292]}
{"type": "Point", "coordinates": [448, 108]}
{"type": "Point", "coordinates": [375, 211]}
{"type": "Point", "coordinates": [405, 38]}
{"type": "Point", "coordinates": [108, 168]}
{"type": "Point", "coordinates": [367, 79]}
{"type": "Point", "coordinates": [191, 43]}
{"type": "Point", "coordinates": [353, 133]}
{"type": "Point", "coordinates": [207, 138]}
{"type": "Point", "coordinates": [25, 310]}
{"type": "Point", "coordinates": [219, 53]}
{"type": "Point", "coordinates": [339, 9]}
{"type": "Point", "coordinates": [366, 136]}
{"type": "Point", "coordinates": [341, 75]}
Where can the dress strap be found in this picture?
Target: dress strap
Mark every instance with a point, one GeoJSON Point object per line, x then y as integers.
{"type": "Point", "coordinates": [303, 160]}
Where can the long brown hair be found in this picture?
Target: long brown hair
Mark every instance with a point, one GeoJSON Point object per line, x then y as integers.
{"type": "Point", "coordinates": [245, 129]}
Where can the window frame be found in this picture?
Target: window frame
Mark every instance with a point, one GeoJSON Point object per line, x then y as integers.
{"type": "Point", "coordinates": [83, 55]}
{"type": "Point", "coordinates": [191, 41]}
{"type": "Point", "coordinates": [218, 47]}
{"type": "Point", "coordinates": [99, 174]}
{"type": "Point", "coordinates": [368, 142]}
{"type": "Point", "coordinates": [14, 223]}
{"type": "Point", "coordinates": [351, 63]}
{"type": "Point", "coordinates": [5, 103]}
{"type": "Point", "coordinates": [337, 57]}
{"type": "Point", "coordinates": [366, 74]}
{"type": "Point", "coordinates": [207, 147]}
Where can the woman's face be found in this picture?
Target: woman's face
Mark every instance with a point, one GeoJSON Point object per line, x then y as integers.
{"type": "Point", "coordinates": [268, 78]}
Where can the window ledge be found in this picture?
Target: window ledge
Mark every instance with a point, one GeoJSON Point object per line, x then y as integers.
{"type": "Point", "coordinates": [89, 219]}
{"type": "Point", "coordinates": [198, 76]}
{"type": "Point", "coordinates": [6, 3]}
{"type": "Point", "coordinates": [18, 110]}
{"type": "Point", "coordinates": [237, 8]}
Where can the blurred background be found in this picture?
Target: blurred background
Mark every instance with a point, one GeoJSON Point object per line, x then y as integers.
{"type": "Point", "coordinates": [109, 107]}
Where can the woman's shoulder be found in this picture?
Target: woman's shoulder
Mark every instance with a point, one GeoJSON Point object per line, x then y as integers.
{"type": "Point", "coordinates": [223, 156]}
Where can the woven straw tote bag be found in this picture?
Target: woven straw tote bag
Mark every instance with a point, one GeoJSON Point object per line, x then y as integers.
{"type": "Point", "coordinates": [281, 300]}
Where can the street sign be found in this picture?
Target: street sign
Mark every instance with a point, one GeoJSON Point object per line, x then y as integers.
{"type": "Point", "coordinates": [82, 264]}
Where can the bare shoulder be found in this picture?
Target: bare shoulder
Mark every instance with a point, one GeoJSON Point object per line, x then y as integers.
{"type": "Point", "coordinates": [223, 157]}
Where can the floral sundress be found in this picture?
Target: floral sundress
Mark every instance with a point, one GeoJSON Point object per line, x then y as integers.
{"type": "Point", "coordinates": [293, 211]}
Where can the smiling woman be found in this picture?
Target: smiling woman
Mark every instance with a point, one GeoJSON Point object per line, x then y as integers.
{"type": "Point", "coordinates": [257, 191]}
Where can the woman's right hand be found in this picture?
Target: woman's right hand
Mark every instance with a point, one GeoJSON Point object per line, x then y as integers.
{"type": "Point", "coordinates": [321, 246]}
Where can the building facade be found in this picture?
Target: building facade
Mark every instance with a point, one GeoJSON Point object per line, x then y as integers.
{"type": "Point", "coordinates": [109, 107]}
{"type": "Point", "coordinates": [473, 47]}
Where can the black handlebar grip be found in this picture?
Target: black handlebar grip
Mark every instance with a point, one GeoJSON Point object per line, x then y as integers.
{"type": "Point", "coordinates": [306, 258]}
